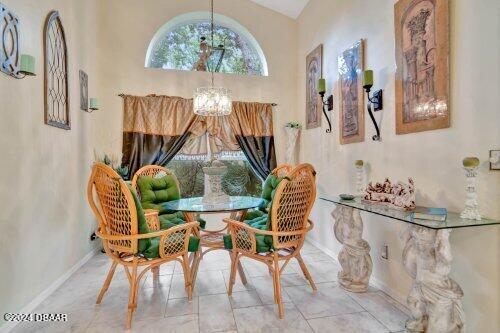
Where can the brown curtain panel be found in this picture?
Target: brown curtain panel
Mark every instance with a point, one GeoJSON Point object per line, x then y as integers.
{"type": "Point", "coordinates": [155, 129]}
{"type": "Point", "coordinates": [252, 127]}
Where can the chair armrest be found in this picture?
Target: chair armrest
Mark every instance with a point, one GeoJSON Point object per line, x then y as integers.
{"type": "Point", "coordinates": [175, 241]}
{"type": "Point", "coordinates": [243, 235]}
{"type": "Point", "coordinates": [152, 219]}
{"type": "Point", "coordinates": [243, 225]}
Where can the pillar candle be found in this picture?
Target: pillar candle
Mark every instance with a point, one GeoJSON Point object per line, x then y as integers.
{"type": "Point", "coordinates": [368, 78]}
{"type": "Point", "coordinates": [94, 104]}
{"type": "Point", "coordinates": [321, 85]}
{"type": "Point", "coordinates": [27, 64]}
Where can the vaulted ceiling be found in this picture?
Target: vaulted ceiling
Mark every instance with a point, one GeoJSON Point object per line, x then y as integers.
{"type": "Point", "coordinates": [291, 8]}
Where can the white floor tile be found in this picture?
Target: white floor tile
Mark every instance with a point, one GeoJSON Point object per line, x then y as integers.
{"type": "Point", "coordinates": [361, 322]}
{"type": "Point", "coordinates": [329, 300]}
{"type": "Point", "coordinates": [215, 313]}
{"type": "Point", "coordinates": [382, 309]}
{"type": "Point", "coordinates": [265, 319]}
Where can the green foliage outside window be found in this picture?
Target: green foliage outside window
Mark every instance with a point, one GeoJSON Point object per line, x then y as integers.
{"type": "Point", "coordinates": [239, 179]}
{"type": "Point", "coordinates": [179, 49]}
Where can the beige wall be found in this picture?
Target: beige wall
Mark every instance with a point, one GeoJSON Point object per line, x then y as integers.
{"type": "Point", "coordinates": [129, 25]}
{"type": "Point", "coordinates": [44, 219]}
{"type": "Point", "coordinates": [432, 158]}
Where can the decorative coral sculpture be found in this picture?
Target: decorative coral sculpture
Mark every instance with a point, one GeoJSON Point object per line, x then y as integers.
{"type": "Point", "coordinates": [399, 195]}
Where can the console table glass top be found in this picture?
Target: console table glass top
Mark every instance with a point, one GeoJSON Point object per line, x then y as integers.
{"type": "Point", "coordinates": [453, 220]}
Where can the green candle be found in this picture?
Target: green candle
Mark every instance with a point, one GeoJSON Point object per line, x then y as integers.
{"type": "Point", "coordinates": [321, 85]}
{"type": "Point", "coordinates": [94, 104]}
{"type": "Point", "coordinates": [368, 78]}
{"type": "Point", "coordinates": [471, 162]}
{"type": "Point", "coordinates": [27, 65]}
{"type": "Point", "coordinates": [359, 163]}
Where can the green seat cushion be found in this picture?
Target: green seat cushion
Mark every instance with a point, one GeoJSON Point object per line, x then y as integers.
{"type": "Point", "coordinates": [153, 250]}
{"type": "Point", "coordinates": [264, 243]}
{"type": "Point", "coordinates": [143, 227]}
{"type": "Point", "coordinates": [155, 191]}
{"type": "Point", "coordinates": [173, 219]}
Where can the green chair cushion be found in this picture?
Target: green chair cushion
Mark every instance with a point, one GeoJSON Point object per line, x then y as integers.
{"type": "Point", "coordinates": [143, 227]}
{"type": "Point", "coordinates": [270, 184]}
{"type": "Point", "coordinates": [264, 243]}
{"type": "Point", "coordinates": [153, 250]}
{"type": "Point", "coordinates": [155, 191]}
{"type": "Point", "coordinates": [173, 219]}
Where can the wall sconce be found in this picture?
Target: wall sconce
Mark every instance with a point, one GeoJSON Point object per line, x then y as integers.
{"type": "Point", "coordinates": [329, 102]}
{"type": "Point", "coordinates": [93, 104]}
{"type": "Point", "coordinates": [376, 100]}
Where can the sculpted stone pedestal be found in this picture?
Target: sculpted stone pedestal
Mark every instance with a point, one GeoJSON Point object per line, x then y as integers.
{"type": "Point", "coordinates": [435, 300]}
{"type": "Point", "coordinates": [355, 254]}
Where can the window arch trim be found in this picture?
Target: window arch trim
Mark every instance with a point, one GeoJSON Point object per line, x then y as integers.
{"type": "Point", "coordinates": [221, 20]}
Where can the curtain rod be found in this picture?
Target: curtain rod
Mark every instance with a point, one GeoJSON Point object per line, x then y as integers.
{"type": "Point", "coordinates": [123, 95]}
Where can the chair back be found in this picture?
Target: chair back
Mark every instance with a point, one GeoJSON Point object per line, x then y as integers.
{"type": "Point", "coordinates": [292, 204]}
{"type": "Point", "coordinates": [114, 208]}
{"type": "Point", "coordinates": [151, 171]}
{"type": "Point", "coordinates": [282, 170]}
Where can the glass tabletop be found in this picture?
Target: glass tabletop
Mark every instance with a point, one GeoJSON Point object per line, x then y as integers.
{"type": "Point", "coordinates": [453, 220]}
{"type": "Point", "coordinates": [196, 205]}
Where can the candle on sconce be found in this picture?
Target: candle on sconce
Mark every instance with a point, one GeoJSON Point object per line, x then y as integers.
{"type": "Point", "coordinates": [368, 78]}
{"type": "Point", "coordinates": [27, 66]}
{"type": "Point", "coordinates": [94, 104]}
{"type": "Point", "coordinates": [321, 85]}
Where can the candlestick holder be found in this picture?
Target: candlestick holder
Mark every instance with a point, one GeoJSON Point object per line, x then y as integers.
{"type": "Point", "coordinates": [329, 104]}
{"type": "Point", "coordinates": [377, 102]}
{"type": "Point", "coordinates": [471, 210]}
{"type": "Point", "coordinates": [360, 184]}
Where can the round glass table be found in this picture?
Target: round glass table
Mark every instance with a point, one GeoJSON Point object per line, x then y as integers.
{"type": "Point", "coordinates": [237, 206]}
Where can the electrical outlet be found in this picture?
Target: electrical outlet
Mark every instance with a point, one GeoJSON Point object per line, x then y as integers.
{"type": "Point", "coordinates": [384, 252]}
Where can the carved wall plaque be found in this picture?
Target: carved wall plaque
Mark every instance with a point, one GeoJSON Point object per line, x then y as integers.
{"type": "Point", "coordinates": [9, 52]}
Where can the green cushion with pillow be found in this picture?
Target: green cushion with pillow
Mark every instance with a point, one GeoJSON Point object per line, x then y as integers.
{"type": "Point", "coordinates": [155, 191]}
{"type": "Point", "coordinates": [149, 247]}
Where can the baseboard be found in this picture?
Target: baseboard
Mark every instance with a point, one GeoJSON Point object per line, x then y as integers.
{"type": "Point", "coordinates": [9, 326]}
{"type": "Point", "coordinates": [397, 296]}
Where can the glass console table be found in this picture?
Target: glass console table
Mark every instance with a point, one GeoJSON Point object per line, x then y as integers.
{"type": "Point", "coordinates": [435, 300]}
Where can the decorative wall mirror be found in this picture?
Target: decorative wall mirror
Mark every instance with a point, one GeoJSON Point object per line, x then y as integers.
{"type": "Point", "coordinates": [9, 51]}
{"type": "Point", "coordinates": [56, 73]}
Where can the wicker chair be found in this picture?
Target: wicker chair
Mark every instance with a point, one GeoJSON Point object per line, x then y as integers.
{"type": "Point", "coordinates": [151, 170]}
{"type": "Point", "coordinates": [114, 206]}
{"type": "Point", "coordinates": [290, 210]}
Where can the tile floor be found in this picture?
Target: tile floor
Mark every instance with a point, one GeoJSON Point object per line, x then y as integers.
{"type": "Point", "coordinates": [163, 305]}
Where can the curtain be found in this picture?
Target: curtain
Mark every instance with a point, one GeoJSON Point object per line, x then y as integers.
{"type": "Point", "coordinates": [252, 127]}
{"type": "Point", "coordinates": [156, 128]}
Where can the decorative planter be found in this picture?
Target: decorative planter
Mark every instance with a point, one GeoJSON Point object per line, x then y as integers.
{"type": "Point", "coordinates": [292, 134]}
{"type": "Point", "coordinates": [213, 174]}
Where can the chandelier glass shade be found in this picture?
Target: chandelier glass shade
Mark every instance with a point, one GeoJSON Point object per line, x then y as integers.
{"type": "Point", "coordinates": [212, 101]}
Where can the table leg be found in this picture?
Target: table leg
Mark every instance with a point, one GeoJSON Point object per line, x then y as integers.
{"type": "Point", "coordinates": [355, 256]}
{"type": "Point", "coordinates": [435, 300]}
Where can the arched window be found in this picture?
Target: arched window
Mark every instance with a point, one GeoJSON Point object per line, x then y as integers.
{"type": "Point", "coordinates": [176, 45]}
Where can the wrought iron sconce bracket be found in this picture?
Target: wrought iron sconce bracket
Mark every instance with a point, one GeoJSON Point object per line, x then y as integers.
{"type": "Point", "coordinates": [377, 102]}
{"type": "Point", "coordinates": [329, 105]}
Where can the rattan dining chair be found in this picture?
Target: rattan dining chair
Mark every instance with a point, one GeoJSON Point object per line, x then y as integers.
{"type": "Point", "coordinates": [116, 210]}
{"type": "Point", "coordinates": [289, 222]}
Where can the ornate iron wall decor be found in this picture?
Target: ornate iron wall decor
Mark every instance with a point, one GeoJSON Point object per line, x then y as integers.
{"type": "Point", "coordinates": [56, 73]}
{"type": "Point", "coordinates": [9, 52]}
{"type": "Point", "coordinates": [84, 91]}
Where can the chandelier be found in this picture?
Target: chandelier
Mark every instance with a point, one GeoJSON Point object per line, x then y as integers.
{"type": "Point", "coordinates": [212, 101]}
